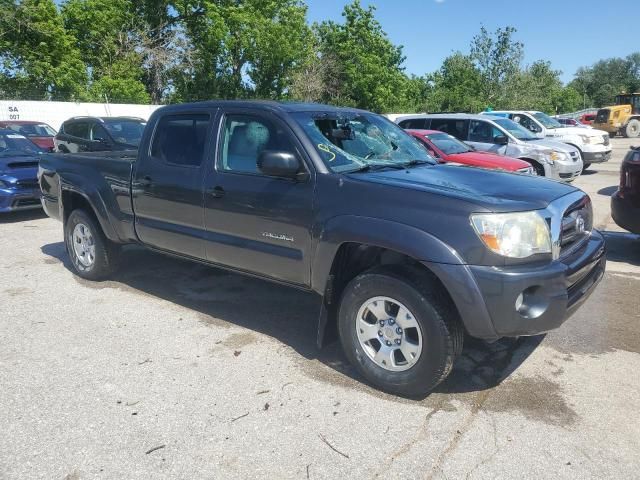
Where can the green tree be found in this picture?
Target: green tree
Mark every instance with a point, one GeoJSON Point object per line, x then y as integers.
{"type": "Point", "coordinates": [38, 58]}
{"type": "Point", "coordinates": [105, 32]}
{"type": "Point", "coordinates": [497, 57]}
{"type": "Point", "coordinates": [602, 81]}
{"type": "Point", "coordinates": [370, 65]}
{"type": "Point", "coordinates": [457, 86]}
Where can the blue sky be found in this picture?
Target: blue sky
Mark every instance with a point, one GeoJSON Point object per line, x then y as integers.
{"type": "Point", "coordinates": [569, 33]}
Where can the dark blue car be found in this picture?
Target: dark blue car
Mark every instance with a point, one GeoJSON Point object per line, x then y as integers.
{"type": "Point", "coordinates": [19, 159]}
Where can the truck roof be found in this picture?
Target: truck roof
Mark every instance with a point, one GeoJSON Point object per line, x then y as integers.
{"type": "Point", "coordinates": [272, 105]}
{"type": "Point", "coordinates": [462, 116]}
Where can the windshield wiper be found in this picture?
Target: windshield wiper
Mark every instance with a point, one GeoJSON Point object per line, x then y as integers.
{"type": "Point", "coordinates": [372, 167]}
{"type": "Point", "coordinates": [413, 163]}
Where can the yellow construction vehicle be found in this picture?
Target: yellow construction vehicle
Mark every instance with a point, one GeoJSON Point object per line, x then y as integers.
{"type": "Point", "coordinates": [623, 117]}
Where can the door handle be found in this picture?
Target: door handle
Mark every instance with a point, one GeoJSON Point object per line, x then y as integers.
{"type": "Point", "coordinates": [216, 192]}
{"type": "Point", "coordinates": [145, 181]}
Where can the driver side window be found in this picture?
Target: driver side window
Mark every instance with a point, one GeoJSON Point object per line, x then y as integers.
{"type": "Point", "coordinates": [483, 132]}
{"type": "Point", "coordinates": [245, 137]}
{"type": "Point", "coordinates": [526, 122]}
{"type": "Point", "coordinates": [98, 133]}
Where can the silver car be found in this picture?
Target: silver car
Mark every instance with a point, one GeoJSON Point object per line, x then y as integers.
{"type": "Point", "coordinates": [500, 135]}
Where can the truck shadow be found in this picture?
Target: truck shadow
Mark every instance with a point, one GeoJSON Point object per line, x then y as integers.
{"type": "Point", "coordinates": [285, 314]}
{"type": "Point", "coordinates": [22, 216]}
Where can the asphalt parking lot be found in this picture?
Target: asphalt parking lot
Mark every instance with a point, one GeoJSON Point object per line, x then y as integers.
{"type": "Point", "coordinates": [176, 370]}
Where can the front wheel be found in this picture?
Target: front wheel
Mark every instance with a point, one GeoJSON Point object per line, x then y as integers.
{"type": "Point", "coordinates": [398, 329]}
{"type": "Point", "coordinates": [585, 166]}
{"type": "Point", "coordinates": [93, 256]}
{"type": "Point", "coordinates": [632, 130]}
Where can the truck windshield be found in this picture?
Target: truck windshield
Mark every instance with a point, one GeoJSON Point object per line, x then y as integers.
{"type": "Point", "coordinates": [448, 144]}
{"type": "Point", "coordinates": [351, 141]}
{"type": "Point", "coordinates": [547, 121]}
{"type": "Point", "coordinates": [126, 131]}
{"type": "Point", "coordinates": [14, 144]}
{"type": "Point", "coordinates": [515, 129]}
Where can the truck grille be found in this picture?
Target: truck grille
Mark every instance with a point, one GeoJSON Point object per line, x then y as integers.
{"type": "Point", "coordinates": [603, 115]}
{"type": "Point", "coordinates": [606, 139]}
{"type": "Point", "coordinates": [577, 224]}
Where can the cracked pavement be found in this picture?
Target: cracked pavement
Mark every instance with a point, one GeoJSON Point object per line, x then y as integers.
{"type": "Point", "coordinates": [176, 370]}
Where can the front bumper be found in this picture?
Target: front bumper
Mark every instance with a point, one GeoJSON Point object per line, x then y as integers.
{"type": "Point", "coordinates": [625, 213]}
{"type": "Point", "coordinates": [489, 298]}
{"type": "Point", "coordinates": [12, 200]}
{"type": "Point", "coordinates": [568, 169]}
{"type": "Point", "coordinates": [596, 157]}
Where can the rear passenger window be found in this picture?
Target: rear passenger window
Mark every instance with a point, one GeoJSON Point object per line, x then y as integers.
{"type": "Point", "coordinates": [78, 129]}
{"type": "Point", "coordinates": [414, 123]}
{"type": "Point", "coordinates": [180, 139]}
{"type": "Point", "coordinates": [454, 127]}
{"type": "Point", "coordinates": [245, 137]}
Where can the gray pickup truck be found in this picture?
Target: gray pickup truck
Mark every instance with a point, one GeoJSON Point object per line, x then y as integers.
{"type": "Point", "coordinates": [407, 255]}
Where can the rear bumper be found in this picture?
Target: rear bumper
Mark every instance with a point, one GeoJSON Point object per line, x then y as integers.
{"type": "Point", "coordinates": [499, 302]}
{"type": "Point", "coordinates": [14, 200]}
{"type": "Point", "coordinates": [625, 213]}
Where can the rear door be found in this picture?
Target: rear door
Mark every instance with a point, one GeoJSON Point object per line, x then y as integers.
{"type": "Point", "coordinates": [456, 127]}
{"type": "Point", "coordinates": [254, 222]}
{"type": "Point", "coordinates": [167, 186]}
{"type": "Point", "coordinates": [482, 136]}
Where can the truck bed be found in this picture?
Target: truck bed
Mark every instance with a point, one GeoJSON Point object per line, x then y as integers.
{"type": "Point", "coordinates": [103, 178]}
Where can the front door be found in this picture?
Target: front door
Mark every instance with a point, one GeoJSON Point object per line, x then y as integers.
{"type": "Point", "coordinates": [254, 222]}
{"type": "Point", "coordinates": [168, 184]}
{"type": "Point", "coordinates": [482, 137]}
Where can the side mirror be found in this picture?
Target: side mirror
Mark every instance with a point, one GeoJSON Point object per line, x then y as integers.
{"type": "Point", "coordinates": [276, 163]}
{"type": "Point", "coordinates": [500, 140]}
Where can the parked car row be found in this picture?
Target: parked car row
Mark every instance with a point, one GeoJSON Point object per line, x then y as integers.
{"type": "Point", "coordinates": [502, 136]}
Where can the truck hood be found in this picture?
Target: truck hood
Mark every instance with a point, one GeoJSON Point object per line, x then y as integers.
{"type": "Point", "coordinates": [492, 190]}
{"type": "Point", "coordinates": [585, 132]}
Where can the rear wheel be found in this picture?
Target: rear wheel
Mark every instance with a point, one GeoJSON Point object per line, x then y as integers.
{"type": "Point", "coordinates": [632, 130]}
{"type": "Point", "coordinates": [398, 329]}
{"type": "Point", "coordinates": [93, 256]}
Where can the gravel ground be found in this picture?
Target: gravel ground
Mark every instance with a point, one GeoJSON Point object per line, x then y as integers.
{"type": "Point", "coordinates": [175, 370]}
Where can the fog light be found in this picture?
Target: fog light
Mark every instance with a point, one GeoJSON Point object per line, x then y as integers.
{"type": "Point", "coordinates": [532, 302]}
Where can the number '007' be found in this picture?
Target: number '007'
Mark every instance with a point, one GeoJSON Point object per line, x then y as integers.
{"type": "Point", "coordinates": [14, 116]}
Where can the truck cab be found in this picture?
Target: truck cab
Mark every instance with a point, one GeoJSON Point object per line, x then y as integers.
{"type": "Point", "coordinates": [593, 144]}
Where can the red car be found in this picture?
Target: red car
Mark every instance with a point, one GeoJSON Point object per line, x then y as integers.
{"type": "Point", "coordinates": [39, 133]}
{"type": "Point", "coordinates": [446, 148]}
{"type": "Point", "coordinates": [587, 118]}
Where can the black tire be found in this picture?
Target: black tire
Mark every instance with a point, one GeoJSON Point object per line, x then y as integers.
{"type": "Point", "coordinates": [632, 130]}
{"type": "Point", "coordinates": [106, 252]}
{"type": "Point", "coordinates": [585, 166]}
{"type": "Point", "coordinates": [441, 329]}
{"type": "Point", "coordinates": [539, 169]}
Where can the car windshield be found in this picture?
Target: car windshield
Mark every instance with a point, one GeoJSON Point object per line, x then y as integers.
{"type": "Point", "coordinates": [547, 121]}
{"type": "Point", "coordinates": [448, 144]}
{"type": "Point", "coordinates": [353, 141]}
{"type": "Point", "coordinates": [515, 129]}
{"type": "Point", "coordinates": [15, 145]}
{"type": "Point", "coordinates": [33, 129]}
{"type": "Point", "coordinates": [126, 131]}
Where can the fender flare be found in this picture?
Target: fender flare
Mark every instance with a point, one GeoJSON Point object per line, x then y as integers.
{"type": "Point", "coordinates": [399, 237]}
{"type": "Point", "coordinates": [95, 201]}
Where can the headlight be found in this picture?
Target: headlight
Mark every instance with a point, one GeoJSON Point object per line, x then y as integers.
{"type": "Point", "coordinates": [586, 139]}
{"type": "Point", "coordinates": [515, 235]}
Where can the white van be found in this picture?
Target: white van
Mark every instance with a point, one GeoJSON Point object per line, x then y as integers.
{"type": "Point", "coordinates": [594, 145]}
